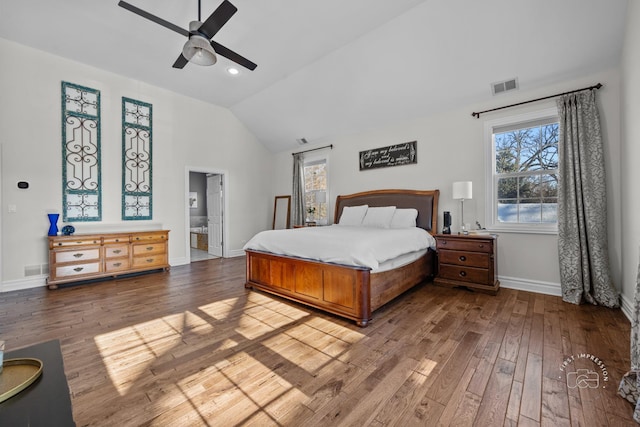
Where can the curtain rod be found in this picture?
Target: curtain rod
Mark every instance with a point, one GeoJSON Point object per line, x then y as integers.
{"type": "Point", "coordinates": [313, 149]}
{"type": "Point", "coordinates": [477, 115]}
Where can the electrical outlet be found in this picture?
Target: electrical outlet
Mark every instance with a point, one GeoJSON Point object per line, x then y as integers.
{"type": "Point", "coordinates": [13, 209]}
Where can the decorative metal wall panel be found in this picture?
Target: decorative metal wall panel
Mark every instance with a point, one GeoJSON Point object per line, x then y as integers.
{"type": "Point", "coordinates": [136, 160]}
{"type": "Point", "coordinates": [81, 173]}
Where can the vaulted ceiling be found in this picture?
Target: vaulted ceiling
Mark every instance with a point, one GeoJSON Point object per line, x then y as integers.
{"type": "Point", "coordinates": [333, 67]}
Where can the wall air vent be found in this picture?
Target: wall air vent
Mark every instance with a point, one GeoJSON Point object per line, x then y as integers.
{"type": "Point", "coordinates": [302, 141]}
{"type": "Point", "coordinates": [504, 86]}
{"type": "Point", "coordinates": [35, 270]}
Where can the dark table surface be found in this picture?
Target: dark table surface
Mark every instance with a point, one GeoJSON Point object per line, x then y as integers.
{"type": "Point", "coordinates": [46, 402]}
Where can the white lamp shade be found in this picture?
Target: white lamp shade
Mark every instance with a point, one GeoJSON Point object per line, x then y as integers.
{"type": "Point", "coordinates": [463, 190]}
{"type": "Point", "coordinates": [198, 50]}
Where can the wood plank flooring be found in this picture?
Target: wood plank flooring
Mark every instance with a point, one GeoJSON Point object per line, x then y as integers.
{"type": "Point", "coordinates": [192, 347]}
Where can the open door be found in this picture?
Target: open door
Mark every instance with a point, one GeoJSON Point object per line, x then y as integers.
{"type": "Point", "coordinates": [214, 213]}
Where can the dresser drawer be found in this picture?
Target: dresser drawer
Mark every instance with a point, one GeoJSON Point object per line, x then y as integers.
{"type": "Point", "coordinates": [471, 259]}
{"type": "Point", "coordinates": [150, 237]}
{"type": "Point", "coordinates": [465, 274]}
{"type": "Point", "coordinates": [77, 270]}
{"type": "Point", "coordinates": [150, 261]}
{"type": "Point", "coordinates": [78, 255]}
{"type": "Point", "coordinates": [148, 249]}
{"type": "Point", "coordinates": [64, 243]}
{"type": "Point", "coordinates": [116, 251]}
{"type": "Point", "coordinates": [117, 264]}
{"type": "Point", "coordinates": [465, 245]}
{"type": "Point", "coordinates": [116, 239]}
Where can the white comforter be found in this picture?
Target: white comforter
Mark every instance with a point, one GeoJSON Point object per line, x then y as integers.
{"type": "Point", "coordinates": [339, 244]}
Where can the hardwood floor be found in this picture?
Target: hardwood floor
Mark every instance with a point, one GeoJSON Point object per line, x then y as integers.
{"type": "Point", "coordinates": [193, 347]}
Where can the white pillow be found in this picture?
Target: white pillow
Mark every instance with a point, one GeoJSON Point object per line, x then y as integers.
{"type": "Point", "coordinates": [352, 215]}
{"type": "Point", "coordinates": [379, 217]}
{"type": "Point", "coordinates": [404, 218]}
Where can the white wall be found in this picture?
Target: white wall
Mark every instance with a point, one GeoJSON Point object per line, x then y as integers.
{"type": "Point", "coordinates": [451, 148]}
{"type": "Point", "coordinates": [186, 132]}
{"type": "Point", "coordinates": [630, 155]}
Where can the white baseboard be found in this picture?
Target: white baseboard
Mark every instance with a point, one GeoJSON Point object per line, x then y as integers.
{"type": "Point", "coordinates": [547, 288]}
{"type": "Point", "coordinates": [233, 253]}
{"type": "Point", "coordinates": [627, 307]}
{"type": "Point", "coordinates": [174, 262]}
{"type": "Point", "coordinates": [27, 283]}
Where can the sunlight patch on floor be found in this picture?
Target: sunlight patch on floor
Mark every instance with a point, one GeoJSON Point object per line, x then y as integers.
{"type": "Point", "coordinates": [220, 309]}
{"type": "Point", "coordinates": [129, 352]}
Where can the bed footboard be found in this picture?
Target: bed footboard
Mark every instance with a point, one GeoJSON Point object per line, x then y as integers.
{"type": "Point", "coordinates": [351, 292]}
{"type": "Point", "coordinates": [340, 290]}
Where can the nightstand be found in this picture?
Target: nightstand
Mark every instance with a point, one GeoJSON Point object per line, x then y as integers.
{"type": "Point", "coordinates": [468, 260]}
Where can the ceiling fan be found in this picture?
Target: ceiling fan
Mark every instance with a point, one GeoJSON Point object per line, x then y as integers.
{"type": "Point", "coordinates": [199, 48]}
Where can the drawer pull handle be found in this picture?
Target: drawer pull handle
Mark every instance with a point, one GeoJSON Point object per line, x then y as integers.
{"type": "Point", "coordinates": [78, 269]}
{"type": "Point", "coordinates": [463, 273]}
{"type": "Point", "coordinates": [149, 248]}
{"type": "Point", "coordinates": [481, 246]}
{"type": "Point", "coordinates": [444, 242]}
{"type": "Point", "coordinates": [59, 244]}
{"type": "Point", "coordinates": [149, 259]}
{"type": "Point", "coordinates": [462, 258]}
{"type": "Point", "coordinates": [137, 238]}
{"type": "Point", "coordinates": [117, 264]}
{"type": "Point", "coordinates": [78, 255]}
{"type": "Point", "coordinates": [117, 251]}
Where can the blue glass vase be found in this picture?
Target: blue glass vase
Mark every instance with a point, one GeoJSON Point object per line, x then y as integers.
{"type": "Point", "coordinates": [53, 220]}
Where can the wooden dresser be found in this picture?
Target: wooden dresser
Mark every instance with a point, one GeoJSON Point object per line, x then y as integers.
{"type": "Point", "coordinates": [468, 260]}
{"type": "Point", "coordinates": [91, 256]}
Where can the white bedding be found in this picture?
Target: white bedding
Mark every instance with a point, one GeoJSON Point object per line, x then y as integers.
{"type": "Point", "coordinates": [339, 244]}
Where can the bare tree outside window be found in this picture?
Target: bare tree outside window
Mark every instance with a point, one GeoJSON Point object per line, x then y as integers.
{"type": "Point", "coordinates": [527, 173]}
{"type": "Point", "coordinates": [315, 187]}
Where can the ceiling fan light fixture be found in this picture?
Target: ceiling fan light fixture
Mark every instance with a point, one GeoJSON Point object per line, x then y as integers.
{"type": "Point", "coordinates": [198, 50]}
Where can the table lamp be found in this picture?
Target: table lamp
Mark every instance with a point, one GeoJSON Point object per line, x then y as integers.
{"type": "Point", "coordinates": [462, 190]}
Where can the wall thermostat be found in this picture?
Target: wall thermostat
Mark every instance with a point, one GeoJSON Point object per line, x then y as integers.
{"type": "Point", "coordinates": [23, 184]}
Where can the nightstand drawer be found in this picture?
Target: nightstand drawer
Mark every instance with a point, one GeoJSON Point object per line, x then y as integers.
{"type": "Point", "coordinates": [465, 274]}
{"type": "Point", "coordinates": [472, 245]}
{"type": "Point", "coordinates": [470, 259]}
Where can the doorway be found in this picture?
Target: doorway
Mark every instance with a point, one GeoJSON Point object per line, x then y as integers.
{"type": "Point", "coordinates": [205, 196]}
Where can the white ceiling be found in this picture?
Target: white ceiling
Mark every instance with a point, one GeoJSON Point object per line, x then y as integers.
{"type": "Point", "coordinates": [333, 67]}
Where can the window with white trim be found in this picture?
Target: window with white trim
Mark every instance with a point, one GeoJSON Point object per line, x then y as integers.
{"type": "Point", "coordinates": [523, 175]}
{"type": "Point", "coordinates": [315, 190]}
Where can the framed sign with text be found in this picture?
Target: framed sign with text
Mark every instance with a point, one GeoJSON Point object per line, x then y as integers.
{"type": "Point", "coordinates": [393, 155]}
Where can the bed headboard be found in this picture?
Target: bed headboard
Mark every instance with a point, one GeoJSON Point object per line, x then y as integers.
{"type": "Point", "coordinates": [425, 201]}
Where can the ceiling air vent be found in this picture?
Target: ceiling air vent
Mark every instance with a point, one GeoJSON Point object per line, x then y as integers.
{"type": "Point", "coordinates": [505, 86]}
{"type": "Point", "coordinates": [302, 141]}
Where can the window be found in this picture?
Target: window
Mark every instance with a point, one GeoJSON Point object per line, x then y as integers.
{"type": "Point", "coordinates": [523, 179]}
{"type": "Point", "coordinates": [315, 190]}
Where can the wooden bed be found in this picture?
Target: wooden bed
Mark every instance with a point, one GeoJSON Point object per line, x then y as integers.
{"type": "Point", "coordinates": [351, 292]}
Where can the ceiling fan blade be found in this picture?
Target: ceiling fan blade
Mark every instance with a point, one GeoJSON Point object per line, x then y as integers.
{"type": "Point", "coordinates": [229, 54]}
{"type": "Point", "coordinates": [217, 19]}
{"type": "Point", "coordinates": [180, 62]}
{"type": "Point", "coordinates": [153, 18]}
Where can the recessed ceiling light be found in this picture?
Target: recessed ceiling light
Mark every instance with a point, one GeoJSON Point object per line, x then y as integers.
{"type": "Point", "coordinates": [233, 71]}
